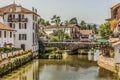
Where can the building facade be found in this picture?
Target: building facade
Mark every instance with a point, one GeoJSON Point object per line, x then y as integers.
{"type": "Point", "coordinates": [6, 36]}
{"type": "Point", "coordinates": [86, 35]}
{"type": "Point", "coordinates": [116, 47]}
{"type": "Point", "coordinates": [72, 30]}
{"type": "Point", "coordinates": [25, 22]}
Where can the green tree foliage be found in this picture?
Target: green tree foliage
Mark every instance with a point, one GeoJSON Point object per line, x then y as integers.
{"type": "Point", "coordinates": [67, 36]}
{"type": "Point", "coordinates": [41, 33]}
{"type": "Point", "coordinates": [47, 23]}
{"type": "Point", "coordinates": [104, 29]}
{"type": "Point", "coordinates": [85, 26]}
{"type": "Point", "coordinates": [56, 20]}
{"type": "Point", "coordinates": [73, 21]}
{"type": "Point", "coordinates": [41, 21]}
{"type": "Point", "coordinates": [54, 39]}
{"type": "Point", "coordinates": [41, 48]}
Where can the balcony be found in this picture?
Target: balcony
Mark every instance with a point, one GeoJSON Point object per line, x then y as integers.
{"type": "Point", "coordinates": [17, 20]}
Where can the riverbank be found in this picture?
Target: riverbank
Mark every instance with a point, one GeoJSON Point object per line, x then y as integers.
{"type": "Point", "coordinates": [106, 62]}
{"type": "Point", "coordinates": [74, 67]}
{"type": "Point", "coordinates": [14, 63]}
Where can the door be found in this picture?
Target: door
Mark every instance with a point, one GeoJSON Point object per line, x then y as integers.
{"type": "Point", "coordinates": [23, 46]}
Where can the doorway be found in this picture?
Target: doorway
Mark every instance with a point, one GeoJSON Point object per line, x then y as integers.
{"type": "Point", "coordinates": [23, 46]}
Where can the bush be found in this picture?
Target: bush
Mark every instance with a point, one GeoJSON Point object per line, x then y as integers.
{"type": "Point", "coordinates": [50, 49]}
{"type": "Point", "coordinates": [54, 39]}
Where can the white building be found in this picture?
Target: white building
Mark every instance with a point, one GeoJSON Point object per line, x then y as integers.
{"type": "Point", "coordinates": [25, 22]}
{"type": "Point", "coordinates": [71, 29]}
{"type": "Point", "coordinates": [6, 35]}
{"type": "Point", "coordinates": [116, 47]}
{"type": "Point", "coordinates": [50, 29]}
{"type": "Point", "coordinates": [86, 35]}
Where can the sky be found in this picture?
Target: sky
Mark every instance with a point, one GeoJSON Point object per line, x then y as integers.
{"type": "Point", "coordinates": [91, 11]}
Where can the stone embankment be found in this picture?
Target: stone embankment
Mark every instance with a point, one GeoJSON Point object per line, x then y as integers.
{"type": "Point", "coordinates": [107, 63]}
{"type": "Point", "coordinates": [14, 62]}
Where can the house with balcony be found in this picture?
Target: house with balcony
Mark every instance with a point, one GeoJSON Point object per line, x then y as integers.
{"type": "Point", "coordinates": [25, 22]}
{"type": "Point", "coordinates": [86, 35]}
{"type": "Point", "coordinates": [115, 15]}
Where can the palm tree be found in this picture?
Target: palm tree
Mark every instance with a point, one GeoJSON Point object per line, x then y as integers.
{"type": "Point", "coordinates": [57, 21]}
{"type": "Point", "coordinates": [66, 22]}
{"type": "Point", "coordinates": [73, 21]}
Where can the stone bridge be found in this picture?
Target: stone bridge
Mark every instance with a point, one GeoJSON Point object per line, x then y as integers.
{"type": "Point", "coordinates": [70, 45]}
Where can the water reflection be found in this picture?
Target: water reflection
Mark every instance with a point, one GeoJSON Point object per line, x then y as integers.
{"type": "Point", "coordinates": [73, 68]}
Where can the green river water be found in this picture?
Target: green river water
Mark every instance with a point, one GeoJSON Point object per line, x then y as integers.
{"type": "Point", "coordinates": [74, 67]}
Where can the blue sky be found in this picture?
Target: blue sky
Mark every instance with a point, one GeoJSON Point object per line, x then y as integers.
{"type": "Point", "coordinates": [91, 11]}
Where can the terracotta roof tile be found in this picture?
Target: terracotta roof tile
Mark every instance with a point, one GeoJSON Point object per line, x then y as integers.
{"type": "Point", "coordinates": [115, 6]}
{"type": "Point", "coordinates": [5, 27]}
{"type": "Point", "coordinates": [12, 8]}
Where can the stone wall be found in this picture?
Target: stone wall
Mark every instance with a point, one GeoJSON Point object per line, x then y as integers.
{"type": "Point", "coordinates": [107, 63]}
{"type": "Point", "coordinates": [70, 45]}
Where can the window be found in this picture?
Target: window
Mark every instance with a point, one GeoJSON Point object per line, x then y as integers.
{"type": "Point", "coordinates": [19, 36]}
{"type": "Point", "coordinates": [33, 17]}
{"type": "Point", "coordinates": [10, 34]}
{"type": "Point", "coordinates": [22, 16]}
{"type": "Point", "coordinates": [10, 25]}
{"type": "Point", "coordinates": [19, 25]}
{"type": "Point", "coordinates": [33, 26]}
{"type": "Point", "coordinates": [22, 36]}
{"type": "Point", "coordinates": [25, 25]}
{"type": "Point", "coordinates": [13, 16]}
{"type": "Point", "coordinates": [4, 34]}
{"type": "Point", "coordinates": [0, 34]}
{"type": "Point", "coordinates": [33, 38]}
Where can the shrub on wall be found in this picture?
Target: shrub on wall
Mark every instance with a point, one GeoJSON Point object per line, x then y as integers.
{"type": "Point", "coordinates": [14, 63]}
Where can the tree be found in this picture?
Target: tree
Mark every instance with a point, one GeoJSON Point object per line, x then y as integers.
{"type": "Point", "coordinates": [41, 48]}
{"type": "Point", "coordinates": [105, 29]}
{"type": "Point", "coordinates": [83, 25]}
{"type": "Point", "coordinates": [47, 23]}
{"type": "Point", "coordinates": [94, 28]}
{"type": "Point", "coordinates": [41, 21]}
{"type": "Point", "coordinates": [56, 20]}
{"type": "Point", "coordinates": [73, 21]}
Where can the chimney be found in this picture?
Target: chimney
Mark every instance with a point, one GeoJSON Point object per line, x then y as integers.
{"type": "Point", "coordinates": [33, 9]}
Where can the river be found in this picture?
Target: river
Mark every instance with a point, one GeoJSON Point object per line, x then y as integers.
{"type": "Point", "coordinates": [74, 67]}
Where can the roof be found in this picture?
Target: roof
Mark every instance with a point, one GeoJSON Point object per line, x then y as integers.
{"type": "Point", "coordinates": [86, 32]}
{"type": "Point", "coordinates": [12, 8]}
{"type": "Point", "coordinates": [54, 26]}
{"type": "Point", "coordinates": [109, 19]}
{"type": "Point", "coordinates": [115, 6]}
{"type": "Point", "coordinates": [115, 44]}
{"type": "Point", "coordinates": [5, 27]}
